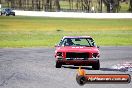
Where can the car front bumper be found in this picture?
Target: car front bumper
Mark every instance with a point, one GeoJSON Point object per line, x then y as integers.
{"type": "Point", "coordinates": [89, 62]}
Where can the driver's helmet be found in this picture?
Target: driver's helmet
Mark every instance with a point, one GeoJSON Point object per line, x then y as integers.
{"type": "Point", "coordinates": [69, 42]}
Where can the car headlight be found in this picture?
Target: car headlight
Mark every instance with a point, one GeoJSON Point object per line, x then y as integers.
{"type": "Point", "coordinates": [59, 54]}
{"type": "Point", "coordinates": [95, 55]}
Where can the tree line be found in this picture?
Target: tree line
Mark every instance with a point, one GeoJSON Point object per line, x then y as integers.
{"type": "Point", "coordinates": [72, 5]}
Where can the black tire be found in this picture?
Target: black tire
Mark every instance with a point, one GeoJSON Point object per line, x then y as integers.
{"type": "Point", "coordinates": [96, 65]}
{"type": "Point", "coordinates": [58, 65]}
{"type": "Point", "coordinates": [6, 14]}
{"type": "Point", "coordinates": [13, 14]}
{"type": "Point", "coordinates": [81, 80]}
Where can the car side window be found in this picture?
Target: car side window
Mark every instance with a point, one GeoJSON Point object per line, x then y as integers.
{"type": "Point", "coordinates": [62, 42]}
{"type": "Point", "coordinates": [91, 42]}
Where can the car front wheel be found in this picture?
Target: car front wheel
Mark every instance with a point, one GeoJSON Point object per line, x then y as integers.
{"type": "Point", "coordinates": [96, 65]}
{"type": "Point", "coordinates": [58, 65]}
{"type": "Point", "coordinates": [7, 14]}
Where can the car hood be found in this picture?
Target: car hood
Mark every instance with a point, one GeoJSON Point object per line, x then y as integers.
{"type": "Point", "coordinates": [77, 49]}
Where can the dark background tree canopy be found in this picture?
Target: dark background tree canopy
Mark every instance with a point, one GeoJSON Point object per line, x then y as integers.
{"type": "Point", "coordinates": [110, 6]}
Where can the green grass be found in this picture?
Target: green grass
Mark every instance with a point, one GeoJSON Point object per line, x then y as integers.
{"type": "Point", "coordinates": [39, 31]}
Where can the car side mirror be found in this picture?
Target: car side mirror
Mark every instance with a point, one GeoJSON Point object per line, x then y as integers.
{"type": "Point", "coordinates": [56, 45]}
{"type": "Point", "coordinates": [98, 47]}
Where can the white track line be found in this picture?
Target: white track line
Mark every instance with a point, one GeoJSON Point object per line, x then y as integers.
{"type": "Point", "coordinates": [73, 14]}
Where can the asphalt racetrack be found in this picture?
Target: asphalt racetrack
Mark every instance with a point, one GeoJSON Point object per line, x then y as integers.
{"type": "Point", "coordinates": [35, 68]}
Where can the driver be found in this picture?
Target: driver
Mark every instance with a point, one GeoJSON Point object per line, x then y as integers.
{"type": "Point", "coordinates": [69, 42]}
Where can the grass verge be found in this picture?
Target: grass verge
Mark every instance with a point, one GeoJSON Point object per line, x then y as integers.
{"type": "Point", "coordinates": [39, 31]}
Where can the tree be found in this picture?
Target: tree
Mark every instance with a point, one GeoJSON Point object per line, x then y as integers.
{"type": "Point", "coordinates": [85, 5]}
{"type": "Point", "coordinates": [130, 6]}
{"type": "Point", "coordinates": [38, 5]}
{"type": "Point", "coordinates": [20, 4]}
{"type": "Point", "coordinates": [48, 5]}
{"type": "Point", "coordinates": [78, 4]}
{"type": "Point", "coordinates": [100, 2]}
{"type": "Point", "coordinates": [112, 5]}
{"type": "Point", "coordinates": [27, 4]}
{"type": "Point", "coordinates": [71, 4]}
{"type": "Point", "coordinates": [12, 3]}
{"type": "Point", "coordinates": [115, 6]}
{"type": "Point", "coordinates": [57, 5]}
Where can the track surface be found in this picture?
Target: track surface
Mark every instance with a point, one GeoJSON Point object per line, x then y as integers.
{"type": "Point", "coordinates": [34, 68]}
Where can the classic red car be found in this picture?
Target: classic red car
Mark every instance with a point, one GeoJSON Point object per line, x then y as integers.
{"type": "Point", "coordinates": [77, 51]}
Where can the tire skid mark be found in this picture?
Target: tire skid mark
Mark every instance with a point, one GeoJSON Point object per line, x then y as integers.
{"type": "Point", "coordinates": [126, 66]}
{"type": "Point", "coordinates": [5, 82]}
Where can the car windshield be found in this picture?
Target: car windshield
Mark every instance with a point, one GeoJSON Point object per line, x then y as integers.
{"type": "Point", "coordinates": [9, 10]}
{"type": "Point", "coordinates": [88, 42]}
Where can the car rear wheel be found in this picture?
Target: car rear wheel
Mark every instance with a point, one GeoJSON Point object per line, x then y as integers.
{"type": "Point", "coordinates": [7, 14]}
{"type": "Point", "coordinates": [58, 65]}
{"type": "Point", "coordinates": [96, 65]}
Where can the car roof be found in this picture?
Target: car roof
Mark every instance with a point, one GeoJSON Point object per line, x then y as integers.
{"type": "Point", "coordinates": [76, 37]}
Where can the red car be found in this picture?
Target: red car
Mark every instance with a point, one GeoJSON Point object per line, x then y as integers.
{"type": "Point", "coordinates": [77, 51]}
